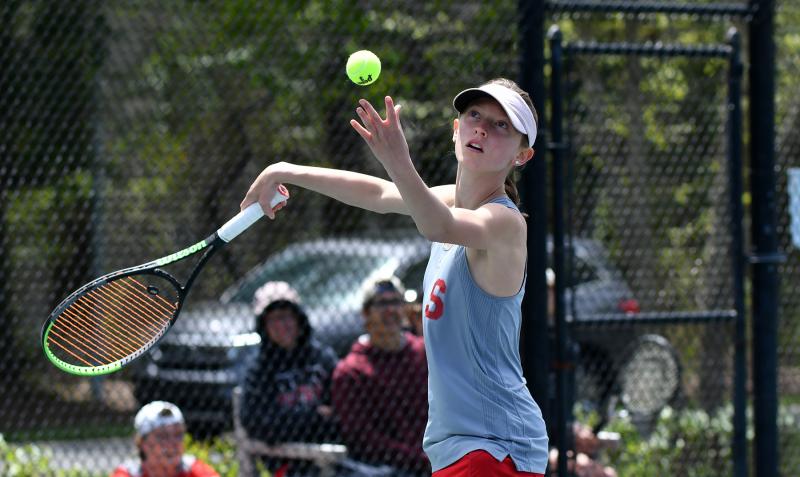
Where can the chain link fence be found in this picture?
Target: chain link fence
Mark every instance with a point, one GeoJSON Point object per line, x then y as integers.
{"type": "Point", "coordinates": [648, 170]}
{"type": "Point", "coordinates": [131, 130]}
{"type": "Point", "coordinates": [788, 158]}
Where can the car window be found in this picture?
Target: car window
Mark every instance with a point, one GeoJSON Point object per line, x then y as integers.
{"type": "Point", "coordinates": [413, 276]}
{"type": "Point", "coordinates": [583, 272]}
{"type": "Point", "coordinates": [321, 280]}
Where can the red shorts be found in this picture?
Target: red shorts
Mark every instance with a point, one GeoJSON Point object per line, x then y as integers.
{"type": "Point", "coordinates": [480, 463]}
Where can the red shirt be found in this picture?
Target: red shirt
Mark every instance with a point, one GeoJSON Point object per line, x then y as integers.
{"type": "Point", "coordinates": [381, 398]}
{"type": "Point", "coordinates": [190, 467]}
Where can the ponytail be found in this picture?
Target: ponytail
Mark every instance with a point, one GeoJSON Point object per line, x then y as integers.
{"type": "Point", "coordinates": [511, 187]}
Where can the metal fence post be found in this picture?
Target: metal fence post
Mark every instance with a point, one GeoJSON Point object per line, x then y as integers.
{"type": "Point", "coordinates": [534, 341]}
{"type": "Point", "coordinates": [765, 256]}
{"type": "Point", "coordinates": [737, 252]}
{"type": "Point", "coordinates": [564, 359]}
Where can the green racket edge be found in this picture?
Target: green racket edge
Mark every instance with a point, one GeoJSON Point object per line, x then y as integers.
{"type": "Point", "coordinates": [116, 365]}
{"type": "Point", "coordinates": [91, 370]}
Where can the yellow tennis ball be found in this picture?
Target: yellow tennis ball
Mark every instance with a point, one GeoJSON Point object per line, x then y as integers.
{"type": "Point", "coordinates": [363, 67]}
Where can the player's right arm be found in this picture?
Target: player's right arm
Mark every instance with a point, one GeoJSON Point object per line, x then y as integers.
{"type": "Point", "coordinates": [352, 188]}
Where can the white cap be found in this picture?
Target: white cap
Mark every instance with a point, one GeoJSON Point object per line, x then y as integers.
{"type": "Point", "coordinates": [512, 103]}
{"type": "Point", "coordinates": [271, 292]}
{"type": "Point", "coordinates": [156, 414]}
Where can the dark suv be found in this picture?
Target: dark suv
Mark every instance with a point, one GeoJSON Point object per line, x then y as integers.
{"type": "Point", "coordinates": [198, 363]}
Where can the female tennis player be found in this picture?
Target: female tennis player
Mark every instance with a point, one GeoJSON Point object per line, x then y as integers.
{"type": "Point", "coordinates": [482, 420]}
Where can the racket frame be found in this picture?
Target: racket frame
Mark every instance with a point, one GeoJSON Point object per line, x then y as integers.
{"type": "Point", "coordinates": [209, 246]}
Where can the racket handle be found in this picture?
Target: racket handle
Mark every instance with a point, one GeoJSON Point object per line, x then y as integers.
{"type": "Point", "coordinates": [249, 216]}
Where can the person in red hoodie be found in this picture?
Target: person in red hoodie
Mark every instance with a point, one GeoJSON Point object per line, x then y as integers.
{"type": "Point", "coordinates": [159, 438]}
{"type": "Point", "coordinates": [379, 389]}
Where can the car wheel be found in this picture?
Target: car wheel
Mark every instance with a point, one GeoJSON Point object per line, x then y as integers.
{"type": "Point", "coordinates": [650, 377]}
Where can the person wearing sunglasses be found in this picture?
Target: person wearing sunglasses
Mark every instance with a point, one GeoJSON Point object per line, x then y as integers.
{"type": "Point", "coordinates": [380, 388]}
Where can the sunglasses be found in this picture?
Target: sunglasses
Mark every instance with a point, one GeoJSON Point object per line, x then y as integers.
{"type": "Point", "coordinates": [386, 303]}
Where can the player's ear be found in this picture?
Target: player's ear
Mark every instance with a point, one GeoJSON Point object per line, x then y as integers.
{"type": "Point", "coordinates": [524, 155]}
{"type": "Point", "coordinates": [455, 129]}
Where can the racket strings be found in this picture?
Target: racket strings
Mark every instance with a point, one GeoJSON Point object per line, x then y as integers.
{"type": "Point", "coordinates": [111, 322]}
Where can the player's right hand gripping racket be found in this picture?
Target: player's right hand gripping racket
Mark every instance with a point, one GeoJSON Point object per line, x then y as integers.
{"type": "Point", "coordinates": [109, 322]}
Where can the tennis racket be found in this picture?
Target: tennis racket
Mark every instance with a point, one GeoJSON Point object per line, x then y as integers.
{"type": "Point", "coordinates": [112, 320]}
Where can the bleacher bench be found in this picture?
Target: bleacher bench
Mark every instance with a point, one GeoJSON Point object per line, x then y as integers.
{"type": "Point", "coordinates": [324, 456]}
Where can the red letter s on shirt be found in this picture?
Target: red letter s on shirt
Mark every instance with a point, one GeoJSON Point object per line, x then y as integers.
{"type": "Point", "coordinates": [435, 312]}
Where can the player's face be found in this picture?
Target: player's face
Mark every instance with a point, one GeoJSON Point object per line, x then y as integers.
{"type": "Point", "coordinates": [486, 141]}
{"type": "Point", "coordinates": [163, 449]}
{"type": "Point", "coordinates": [283, 328]}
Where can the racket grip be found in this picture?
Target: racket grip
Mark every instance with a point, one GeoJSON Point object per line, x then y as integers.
{"type": "Point", "coordinates": [244, 219]}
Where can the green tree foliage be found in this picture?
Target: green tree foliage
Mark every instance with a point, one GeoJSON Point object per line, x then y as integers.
{"type": "Point", "coordinates": [648, 144]}
{"type": "Point", "coordinates": [49, 53]}
{"type": "Point", "coordinates": [672, 446]}
{"type": "Point", "coordinates": [31, 461]}
{"type": "Point", "coordinates": [200, 97]}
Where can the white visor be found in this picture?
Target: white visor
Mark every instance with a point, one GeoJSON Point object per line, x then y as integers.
{"type": "Point", "coordinates": [512, 103]}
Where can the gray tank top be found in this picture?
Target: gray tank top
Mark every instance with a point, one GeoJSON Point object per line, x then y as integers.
{"type": "Point", "coordinates": [477, 395]}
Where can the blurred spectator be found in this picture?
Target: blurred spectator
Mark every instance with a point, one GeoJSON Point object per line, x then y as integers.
{"type": "Point", "coordinates": [286, 394]}
{"type": "Point", "coordinates": [159, 437]}
{"type": "Point", "coordinates": [583, 463]}
{"type": "Point", "coordinates": [380, 388]}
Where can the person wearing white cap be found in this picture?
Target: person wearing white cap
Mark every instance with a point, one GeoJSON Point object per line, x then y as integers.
{"type": "Point", "coordinates": [159, 437]}
{"type": "Point", "coordinates": [481, 418]}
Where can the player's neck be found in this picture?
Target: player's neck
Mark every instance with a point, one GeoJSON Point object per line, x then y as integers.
{"type": "Point", "coordinates": [474, 191]}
